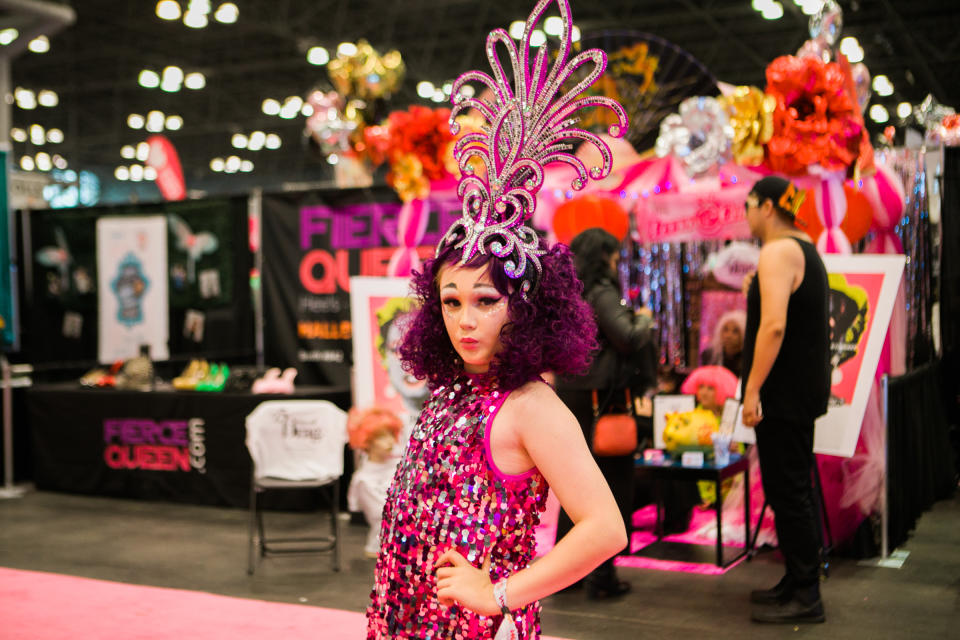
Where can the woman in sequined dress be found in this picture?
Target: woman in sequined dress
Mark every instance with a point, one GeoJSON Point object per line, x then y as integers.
{"type": "Point", "coordinates": [457, 538]}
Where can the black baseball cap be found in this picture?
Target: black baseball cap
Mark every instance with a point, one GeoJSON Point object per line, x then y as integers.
{"type": "Point", "coordinates": [783, 193]}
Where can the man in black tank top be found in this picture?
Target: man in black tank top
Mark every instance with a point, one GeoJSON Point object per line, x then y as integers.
{"type": "Point", "coordinates": [786, 385]}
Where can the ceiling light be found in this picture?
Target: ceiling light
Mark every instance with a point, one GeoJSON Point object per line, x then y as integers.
{"type": "Point", "coordinates": [447, 88]}
{"type": "Point", "coordinates": [810, 7]}
{"type": "Point", "coordinates": [246, 166]}
{"type": "Point", "coordinates": [59, 161]}
{"type": "Point", "coordinates": [19, 135]}
{"type": "Point", "coordinates": [48, 98]}
{"type": "Point", "coordinates": [232, 164]}
{"type": "Point", "coordinates": [425, 89]}
{"type": "Point", "coordinates": [761, 5]}
{"type": "Point", "coordinates": [25, 98]}
{"type": "Point", "coordinates": [773, 12]}
{"type": "Point", "coordinates": [270, 107]}
{"type": "Point", "coordinates": [306, 110]}
{"type": "Point", "coordinates": [149, 173]}
{"type": "Point", "coordinates": [575, 33]}
{"type": "Point", "coordinates": [318, 56]}
{"type": "Point", "coordinates": [26, 163]}
{"type": "Point", "coordinates": [238, 141]}
{"type": "Point", "coordinates": [155, 121]}
{"type": "Point", "coordinates": [195, 80]}
{"type": "Point", "coordinates": [40, 44]}
{"type": "Point", "coordinates": [121, 173]}
{"type": "Point", "coordinates": [333, 158]}
{"type": "Point", "coordinates": [438, 96]}
{"type": "Point", "coordinates": [257, 140]}
{"type": "Point", "coordinates": [537, 38]}
{"type": "Point", "coordinates": [467, 91]}
{"type": "Point", "coordinates": [143, 151]}
{"type": "Point", "coordinates": [291, 107]}
{"type": "Point", "coordinates": [195, 19]}
{"type": "Point", "coordinates": [173, 73]}
{"type": "Point", "coordinates": [227, 13]}
{"type": "Point", "coordinates": [43, 161]}
{"type": "Point", "coordinates": [127, 151]}
{"type": "Point", "coordinates": [553, 26]}
{"type": "Point", "coordinates": [852, 49]}
{"type": "Point", "coordinates": [516, 29]}
{"type": "Point", "coordinates": [8, 35]}
{"type": "Point", "coordinates": [882, 85]}
{"type": "Point", "coordinates": [273, 141]}
{"type": "Point", "coordinates": [346, 49]}
{"type": "Point", "coordinates": [37, 134]}
{"type": "Point", "coordinates": [149, 79]}
{"type": "Point", "coordinates": [136, 173]}
{"type": "Point", "coordinates": [55, 136]}
{"type": "Point", "coordinates": [135, 121]}
{"type": "Point", "coordinates": [879, 114]}
{"type": "Point", "coordinates": [216, 165]}
{"type": "Point", "coordinates": [168, 10]}
{"type": "Point", "coordinates": [173, 123]}
{"type": "Point", "coordinates": [904, 109]}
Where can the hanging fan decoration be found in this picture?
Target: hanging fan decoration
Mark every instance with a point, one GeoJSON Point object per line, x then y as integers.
{"type": "Point", "coordinates": [649, 76]}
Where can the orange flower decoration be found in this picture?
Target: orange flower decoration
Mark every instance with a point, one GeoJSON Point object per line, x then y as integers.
{"type": "Point", "coordinates": [814, 121]}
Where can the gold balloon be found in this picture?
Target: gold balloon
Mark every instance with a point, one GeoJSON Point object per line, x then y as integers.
{"type": "Point", "coordinates": [751, 115]}
{"type": "Point", "coordinates": [366, 74]}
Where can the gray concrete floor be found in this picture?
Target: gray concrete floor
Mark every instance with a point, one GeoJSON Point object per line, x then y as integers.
{"type": "Point", "coordinates": [204, 549]}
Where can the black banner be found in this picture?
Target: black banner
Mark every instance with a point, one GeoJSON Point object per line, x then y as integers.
{"type": "Point", "coordinates": [312, 243]}
{"type": "Point", "coordinates": [60, 285]}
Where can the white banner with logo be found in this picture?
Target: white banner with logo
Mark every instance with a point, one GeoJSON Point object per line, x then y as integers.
{"type": "Point", "coordinates": [132, 285]}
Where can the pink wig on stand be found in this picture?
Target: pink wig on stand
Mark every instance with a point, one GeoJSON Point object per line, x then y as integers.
{"type": "Point", "coordinates": [720, 378]}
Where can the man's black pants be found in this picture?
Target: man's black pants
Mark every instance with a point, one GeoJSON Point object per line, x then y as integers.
{"type": "Point", "coordinates": [786, 462]}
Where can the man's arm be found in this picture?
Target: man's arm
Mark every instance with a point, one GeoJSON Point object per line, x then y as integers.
{"type": "Point", "coordinates": [780, 266]}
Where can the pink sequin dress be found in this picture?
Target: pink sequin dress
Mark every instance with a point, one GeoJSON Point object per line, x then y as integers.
{"type": "Point", "coordinates": [447, 493]}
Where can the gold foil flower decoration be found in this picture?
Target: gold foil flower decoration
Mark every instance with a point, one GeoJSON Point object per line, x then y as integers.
{"type": "Point", "coordinates": [407, 178]}
{"type": "Point", "coordinates": [751, 115]}
{"type": "Point", "coordinates": [366, 74]}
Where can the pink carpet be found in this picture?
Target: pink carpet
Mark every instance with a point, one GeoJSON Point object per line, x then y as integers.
{"type": "Point", "coordinates": [699, 532]}
{"type": "Point", "coordinates": [47, 606]}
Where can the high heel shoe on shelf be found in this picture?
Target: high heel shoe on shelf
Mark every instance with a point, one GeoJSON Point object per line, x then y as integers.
{"type": "Point", "coordinates": [216, 379]}
{"type": "Point", "coordinates": [196, 371]}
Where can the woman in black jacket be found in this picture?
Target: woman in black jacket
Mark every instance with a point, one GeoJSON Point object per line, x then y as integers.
{"type": "Point", "coordinates": [624, 336]}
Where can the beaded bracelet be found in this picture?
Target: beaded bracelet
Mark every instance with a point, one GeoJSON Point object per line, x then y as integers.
{"type": "Point", "coordinates": [508, 628]}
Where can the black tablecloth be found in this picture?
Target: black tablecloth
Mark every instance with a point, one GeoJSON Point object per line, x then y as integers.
{"type": "Point", "coordinates": [182, 446]}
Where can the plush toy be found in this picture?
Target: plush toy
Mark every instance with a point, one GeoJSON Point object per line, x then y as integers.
{"type": "Point", "coordinates": [690, 429]}
{"type": "Point", "coordinates": [373, 434]}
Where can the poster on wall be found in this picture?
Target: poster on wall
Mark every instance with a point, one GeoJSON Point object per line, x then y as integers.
{"type": "Point", "coordinates": [380, 309]}
{"type": "Point", "coordinates": [861, 296]}
{"type": "Point", "coordinates": [132, 287]}
{"type": "Point", "coordinates": [312, 244]}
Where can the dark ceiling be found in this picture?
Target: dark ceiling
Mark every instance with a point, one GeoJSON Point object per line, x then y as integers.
{"type": "Point", "coordinates": [93, 65]}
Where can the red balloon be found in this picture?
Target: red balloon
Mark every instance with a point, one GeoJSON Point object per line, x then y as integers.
{"type": "Point", "coordinates": [807, 218]}
{"type": "Point", "coordinates": [856, 222]}
{"type": "Point", "coordinates": [586, 212]}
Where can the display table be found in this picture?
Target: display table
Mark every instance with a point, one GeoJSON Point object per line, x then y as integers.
{"type": "Point", "coordinates": [183, 446]}
{"type": "Point", "coordinates": [670, 470]}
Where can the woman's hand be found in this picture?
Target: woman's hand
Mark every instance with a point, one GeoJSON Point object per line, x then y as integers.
{"type": "Point", "coordinates": [460, 583]}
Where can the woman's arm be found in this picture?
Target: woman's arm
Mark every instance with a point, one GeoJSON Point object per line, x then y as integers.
{"type": "Point", "coordinates": [549, 436]}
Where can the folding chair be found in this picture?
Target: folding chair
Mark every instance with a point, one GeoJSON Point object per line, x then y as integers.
{"type": "Point", "coordinates": [295, 444]}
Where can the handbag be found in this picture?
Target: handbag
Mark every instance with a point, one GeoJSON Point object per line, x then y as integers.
{"type": "Point", "coordinates": [614, 434]}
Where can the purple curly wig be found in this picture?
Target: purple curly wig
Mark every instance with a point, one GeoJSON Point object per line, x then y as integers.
{"type": "Point", "coordinates": [553, 331]}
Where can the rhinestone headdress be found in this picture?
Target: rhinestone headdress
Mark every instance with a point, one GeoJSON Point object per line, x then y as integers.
{"type": "Point", "coordinates": [527, 126]}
